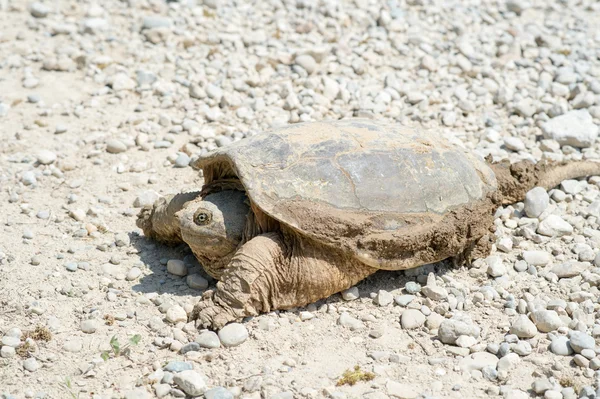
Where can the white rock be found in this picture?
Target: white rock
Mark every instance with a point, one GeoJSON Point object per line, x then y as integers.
{"type": "Point", "coordinates": [554, 226]}
{"type": "Point", "coordinates": [123, 82]}
{"type": "Point", "coordinates": [575, 128]}
{"type": "Point", "coordinates": [115, 146]}
{"type": "Point", "coordinates": [146, 198]}
{"type": "Point", "coordinates": [89, 326]}
{"type": "Point", "coordinates": [39, 10]}
{"type": "Point", "coordinates": [536, 202]}
{"type": "Point", "coordinates": [307, 62]}
{"type": "Point", "coordinates": [350, 294]}
{"type": "Point", "coordinates": [208, 339]}
{"type": "Point", "coordinates": [537, 258]}
{"type": "Point", "coordinates": [495, 266]}
{"type": "Point", "coordinates": [523, 327]}
{"type": "Point", "coordinates": [175, 314]}
{"type": "Point", "coordinates": [384, 298]}
{"type": "Point", "coordinates": [133, 274]}
{"type": "Point", "coordinates": [233, 334]}
{"type": "Point", "coordinates": [560, 346]}
{"type": "Point", "coordinates": [190, 382]}
{"type": "Point", "coordinates": [478, 361]}
{"type": "Point", "coordinates": [508, 362]}
{"type": "Point", "coordinates": [546, 320]}
{"type": "Point", "coordinates": [569, 269]}
{"type": "Point", "coordinates": [411, 319]}
{"type": "Point", "coordinates": [451, 329]}
{"type": "Point", "coordinates": [45, 157]}
{"type": "Point", "coordinates": [31, 364]}
{"type": "Point", "coordinates": [465, 341]}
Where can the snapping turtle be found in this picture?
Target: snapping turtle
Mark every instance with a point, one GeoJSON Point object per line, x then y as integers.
{"type": "Point", "coordinates": [295, 215]}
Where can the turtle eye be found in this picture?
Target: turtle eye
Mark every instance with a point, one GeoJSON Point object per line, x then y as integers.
{"type": "Point", "coordinates": [202, 217]}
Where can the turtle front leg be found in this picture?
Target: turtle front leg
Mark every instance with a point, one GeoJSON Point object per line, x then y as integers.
{"type": "Point", "coordinates": [159, 221]}
{"type": "Point", "coordinates": [271, 272]}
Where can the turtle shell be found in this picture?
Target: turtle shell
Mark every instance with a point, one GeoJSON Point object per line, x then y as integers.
{"type": "Point", "coordinates": [356, 184]}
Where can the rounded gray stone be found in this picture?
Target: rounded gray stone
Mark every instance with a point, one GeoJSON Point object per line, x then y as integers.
{"type": "Point", "coordinates": [233, 334]}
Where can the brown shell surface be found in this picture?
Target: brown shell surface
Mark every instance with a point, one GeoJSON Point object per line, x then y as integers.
{"type": "Point", "coordinates": [356, 184]}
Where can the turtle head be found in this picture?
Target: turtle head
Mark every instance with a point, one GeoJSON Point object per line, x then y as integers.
{"type": "Point", "coordinates": [213, 226]}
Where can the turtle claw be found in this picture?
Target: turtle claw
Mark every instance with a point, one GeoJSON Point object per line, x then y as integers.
{"type": "Point", "coordinates": [209, 314]}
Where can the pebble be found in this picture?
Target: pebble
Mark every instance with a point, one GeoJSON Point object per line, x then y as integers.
{"type": "Point", "coordinates": [146, 198]}
{"type": "Point", "coordinates": [569, 269]}
{"type": "Point", "coordinates": [478, 361]}
{"type": "Point", "coordinates": [522, 327]}
{"type": "Point", "coordinates": [30, 364]}
{"type": "Point", "coordinates": [182, 160]}
{"type": "Point", "coordinates": [190, 382]}
{"type": "Point", "coordinates": [208, 339]}
{"type": "Point", "coordinates": [196, 282]}
{"type": "Point", "coordinates": [233, 334]}
{"type": "Point", "coordinates": [404, 300]}
{"type": "Point", "coordinates": [537, 258]}
{"type": "Point", "coordinates": [348, 321]}
{"type": "Point", "coordinates": [411, 319]}
{"type": "Point", "coordinates": [350, 294]}
{"type": "Point", "coordinates": [176, 366]}
{"type": "Point", "coordinates": [495, 266]}
{"type": "Point", "coordinates": [7, 352]}
{"type": "Point", "coordinates": [451, 329]}
{"type": "Point", "coordinates": [412, 287]}
{"type": "Point", "coordinates": [307, 63]}
{"type": "Point", "coordinates": [115, 146]}
{"type": "Point", "coordinates": [384, 298]}
{"type": "Point", "coordinates": [89, 326]}
{"type": "Point", "coordinates": [574, 128]}
{"type": "Point", "coordinates": [133, 274]}
{"type": "Point", "coordinates": [176, 314]}
{"type": "Point", "coordinates": [39, 10]}
{"type": "Point", "coordinates": [536, 202]}
{"type": "Point", "coordinates": [45, 157]}
{"type": "Point", "coordinates": [400, 390]}
{"type": "Point", "coordinates": [560, 346]}
{"type": "Point", "coordinates": [177, 267]}
{"type": "Point", "coordinates": [580, 341]}
{"type": "Point", "coordinates": [554, 226]}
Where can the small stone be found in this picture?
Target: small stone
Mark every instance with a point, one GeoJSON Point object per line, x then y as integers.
{"type": "Point", "coordinates": [536, 202]}
{"type": "Point", "coordinates": [350, 294]}
{"type": "Point", "coordinates": [477, 361]}
{"type": "Point", "coordinates": [404, 300]}
{"type": "Point", "coordinates": [233, 334]}
{"type": "Point", "coordinates": [495, 266]}
{"type": "Point", "coordinates": [537, 258]}
{"type": "Point", "coordinates": [176, 366]}
{"type": "Point", "coordinates": [13, 342]}
{"type": "Point", "coordinates": [31, 364]}
{"type": "Point", "coordinates": [435, 292]}
{"type": "Point", "coordinates": [384, 298]}
{"type": "Point", "coordinates": [7, 352]}
{"type": "Point", "coordinates": [412, 287]}
{"type": "Point", "coordinates": [580, 341]}
{"type": "Point", "coordinates": [89, 326]}
{"type": "Point", "coordinates": [522, 348]}
{"type": "Point", "coordinates": [307, 62]}
{"type": "Point", "coordinates": [115, 146]}
{"type": "Point", "coordinates": [465, 341]}
{"type": "Point", "coordinates": [155, 21]}
{"type": "Point", "coordinates": [451, 329]}
{"type": "Point", "coordinates": [348, 321]}
{"type": "Point", "coordinates": [190, 382]}
{"type": "Point", "coordinates": [133, 274]}
{"type": "Point", "coordinates": [522, 327]}
{"type": "Point", "coordinates": [546, 320]}
{"type": "Point", "coordinates": [560, 346]}
{"type": "Point", "coordinates": [176, 267]}
{"type": "Point", "coordinates": [581, 361]}
{"type": "Point", "coordinates": [570, 269]}
{"type": "Point", "coordinates": [45, 157]}
{"type": "Point", "coordinates": [542, 385]}
{"type": "Point", "coordinates": [411, 319]}
{"type": "Point", "coordinates": [196, 282]}
{"type": "Point", "coordinates": [208, 339]}
{"type": "Point", "coordinates": [146, 198]}
{"type": "Point", "coordinates": [182, 160]}
{"type": "Point", "coordinates": [39, 10]}
{"type": "Point", "coordinates": [508, 362]}
{"type": "Point", "coordinates": [554, 226]}
{"type": "Point", "coordinates": [175, 314]}
{"type": "Point", "coordinates": [574, 128]}
{"type": "Point", "coordinates": [189, 347]}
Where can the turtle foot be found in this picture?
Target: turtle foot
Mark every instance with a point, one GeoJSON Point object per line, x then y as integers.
{"type": "Point", "coordinates": [211, 314]}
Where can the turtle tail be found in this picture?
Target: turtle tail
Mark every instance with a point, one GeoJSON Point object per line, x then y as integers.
{"type": "Point", "coordinates": [515, 180]}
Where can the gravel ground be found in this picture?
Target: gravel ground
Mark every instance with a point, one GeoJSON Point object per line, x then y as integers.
{"type": "Point", "coordinates": [104, 105]}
